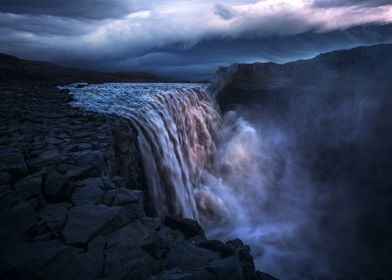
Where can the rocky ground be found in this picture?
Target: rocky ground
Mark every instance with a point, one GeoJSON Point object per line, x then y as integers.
{"type": "Point", "coordinates": [71, 200]}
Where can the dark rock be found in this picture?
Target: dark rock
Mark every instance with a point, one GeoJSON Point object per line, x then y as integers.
{"type": "Point", "coordinates": [29, 186]}
{"type": "Point", "coordinates": [123, 196]}
{"type": "Point", "coordinates": [263, 276]}
{"type": "Point", "coordinates": [25, 260]}
{"type": "Point", "coordinates": [81, 172]}
{"type": "Point", "coordinates": [90, 183]}
{"type": "Point", "coordinates": [56, 188]}
{"type": "Point", "coordinates": [133, 263]}
{"type": "Point", "coordinates": [227, 268]}
{"type": "Point", "coordinates": [85, 221]}
{"type": "Point", "coordinates": [20, 218]}
{"type": "Point", "coordinates": [136, 268]}
{"type": "Point", "coordinates": [88, 194]}
{"type": "Point", "coordinates": [54, 215]}
{"type": "Point", "coordinates": [46, 158]}
{"type": "Point", "coordinates": [88, 158]}
{"type": "Point", "coordinates": [180, 274]}
{"type": "Point", "coordinates": [69, 264]}
{"type": "Point", "coordinates": [8, 197]}
{"type": "Point", "coordinates": [243, 253]}
{"type": "Point", "coordinates": [13, 161]}
{"type": "Point", "coordinates": [126, 196]}
{"type": "Point", "coordinates": [4, 178]}
{"type": "Point", "coordinates": [190, 228]}
{"type": "Point", "coordinates": [217, 246]}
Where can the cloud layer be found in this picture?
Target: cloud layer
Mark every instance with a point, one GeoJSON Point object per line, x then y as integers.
{"type": "Point", "coordinates": [185, 39]}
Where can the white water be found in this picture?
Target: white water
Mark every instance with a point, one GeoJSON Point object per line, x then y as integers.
{"type": "Point", "coordinates": [222, 172]}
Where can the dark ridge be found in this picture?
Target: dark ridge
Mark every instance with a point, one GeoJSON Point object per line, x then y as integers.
{"type": "Point", "coordinates": [15, 71]}
{"type": "Point", "coordinates": [347, 69]}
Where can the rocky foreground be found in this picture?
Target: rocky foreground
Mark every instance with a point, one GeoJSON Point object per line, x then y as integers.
{"type": "Point", "coordinates": [71, 200]}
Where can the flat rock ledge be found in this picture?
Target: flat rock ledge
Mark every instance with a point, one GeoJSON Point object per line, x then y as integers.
{"type": "Point", "coordinates": [71, 201]}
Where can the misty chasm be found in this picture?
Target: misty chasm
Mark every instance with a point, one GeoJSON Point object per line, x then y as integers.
{"type": "Point", "coordinates": [269, 175]}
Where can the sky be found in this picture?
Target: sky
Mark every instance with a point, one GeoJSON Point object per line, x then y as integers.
{"type": "Point", "coordinates": [187, 39]}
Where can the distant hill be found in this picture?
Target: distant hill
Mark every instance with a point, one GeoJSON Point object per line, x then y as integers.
{"type": "Point", "coordinates": [15, 70]}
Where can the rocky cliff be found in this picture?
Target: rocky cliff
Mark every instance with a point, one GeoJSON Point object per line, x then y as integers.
{"type": "Point", "coordinates": [71, 200]}
{"type": "Point", "coordinates": [327, 124]}
{"type": "Point", "coordinates": [343, 71]}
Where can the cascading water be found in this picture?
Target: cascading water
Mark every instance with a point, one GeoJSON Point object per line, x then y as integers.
{"type": "Point", "coordinates": [269, 175]}
{"type": "Point", "coordinates": [223, 187]}
{"type": "Point", "coordinates": [237, 180]}
{"type": "Point", "coordinates": [177, 126]}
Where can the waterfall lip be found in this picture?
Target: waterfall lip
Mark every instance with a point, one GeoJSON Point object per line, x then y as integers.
{"type": "Point", "coordinates": [176, 124]}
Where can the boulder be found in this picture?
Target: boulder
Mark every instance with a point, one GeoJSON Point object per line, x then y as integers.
{"type": "Point", "coordinates": [90, 182]}
{"type": "Point", "coordinates": [20, 218]}
{"type": "Point", "coordinates": [90, 194]}
{"type": "Point", "coordinates": [25, 260]}
{"type": "Point", "coordinates": [85, 221]}
{"type": "Point", "coordinates": [123, 196]}
{"type": "Point", "coordinates": [69, 264]}
{"type": "Point", "coordinates": [56, 187]}
{"type": "Point", "coordinates": [13, 161]}
{"type": "Point", "coordinates": [4, 178]}
{"type": "Point", "coordinates": [29, 186]}
{"type": "Point", "coordinates": [88, 158]}
{"type": "Point", "coordinates": [190, 228]}
{"type": "Point", "coordinates": [54, 215]}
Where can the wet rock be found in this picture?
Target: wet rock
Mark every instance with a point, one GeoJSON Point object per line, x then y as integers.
{"type": "Point", "coordinates": [29, 186]}
{"type": "Point", "coordinates": [20, 218]}
{"type": "Point", "coordinates": [243, 253]}
{"type": "Point", "coordinates": [88, 194]}
{"type": "Point", "coordinates": [54, 215]}
{"type": "Point", "coordinates": [263, 276]}
{"type": "Point", "coordinates": [217, 246]}
{"type": "Point", "coordinates": [85, 221]}
{"type": "Point", "coordinates": [227, 268]}
{"type": "Point", "coordinates": [190, 228]}
{"type": "Point", "coordinates": [56, 188]}
{"type": "Point", "coordinates": [123, 196]}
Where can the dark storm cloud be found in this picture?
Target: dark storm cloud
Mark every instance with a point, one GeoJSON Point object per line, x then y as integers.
{"type": "Point", "coordinates": [91, 9]}
{"type": "Point", "coordinates": [179, 38]}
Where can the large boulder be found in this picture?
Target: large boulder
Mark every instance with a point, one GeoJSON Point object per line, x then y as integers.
{"type": "Point", "coordinates": [86, 221]}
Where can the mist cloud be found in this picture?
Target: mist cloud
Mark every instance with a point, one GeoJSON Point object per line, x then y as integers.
{"type": "Point", "coordinates": [119, 34]}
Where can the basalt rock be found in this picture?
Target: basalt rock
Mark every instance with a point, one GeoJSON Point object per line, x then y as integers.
{"type": "Point", "coordinates": [72, 203]}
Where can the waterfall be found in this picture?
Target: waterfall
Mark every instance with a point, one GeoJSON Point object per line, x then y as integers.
{"type": "Point", "coordinates": [177, 127]}
{"type": "Point", "coordinates": [176, 140]}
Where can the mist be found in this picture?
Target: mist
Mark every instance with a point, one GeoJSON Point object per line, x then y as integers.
{"type": "Point", "coordinates": [303, 177]}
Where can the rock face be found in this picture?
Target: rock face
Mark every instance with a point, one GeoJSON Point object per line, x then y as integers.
{"type": "Point", "coordinates": [329, 118]}
{"type": "Point", "coordinates": [356, 69]}
{"type": "Point", "coordinates": [71, 201]}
